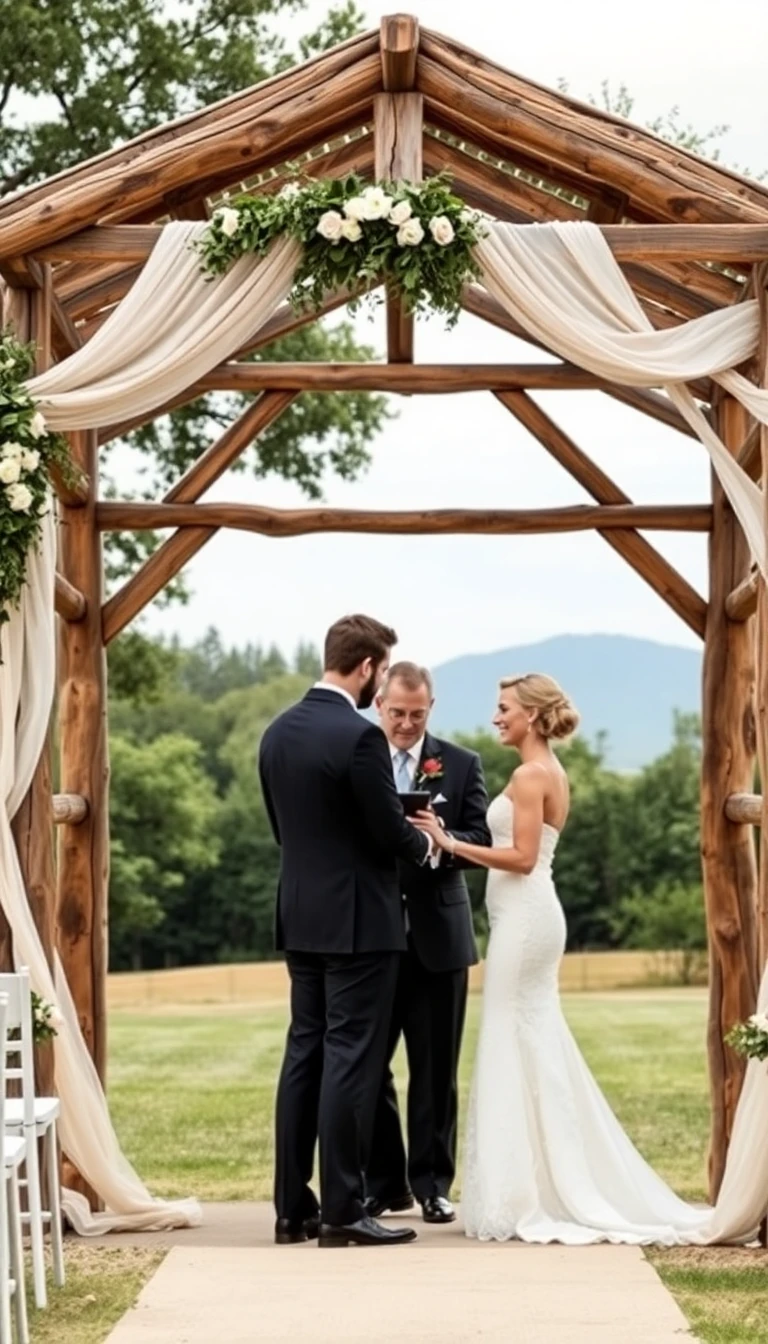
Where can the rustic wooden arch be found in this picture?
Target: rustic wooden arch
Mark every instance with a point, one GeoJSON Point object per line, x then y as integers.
{"type": "Point", "coordinates": [399, 103]}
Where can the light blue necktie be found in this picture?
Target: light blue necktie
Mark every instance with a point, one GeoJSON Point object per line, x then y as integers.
{"type": "Point", "coordinates": [402, 772]}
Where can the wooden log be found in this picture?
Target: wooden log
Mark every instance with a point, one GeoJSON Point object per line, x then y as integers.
{"type": "Point", "coordinates": [83, 849]}
{"type": "Point", "coordinates": [749, 454]}
{"type": "Point", "coordinates": [742, 602]}
{"type": "Point", "coordinates": [398, 133]}
{"type": "Point", "coordinates": [652, 567]}
{"type": "Point", "coordinates": [728, 858]}
{"type": "Point", "coordinates": [399, 45]}
{"type": "Point", "coordinates": [113, 515]}
{"type": "Point", "coordinates": [481, 304]}
{"type": "Point", "coordinates": [70, 602]}
{"type": "Point", "coordinates": [761, 675]}
{"type": "Point", "coordinates": [229, 149]}
{"type": "Point", "coordinates": [69, 809]}
{"type": "Point", "coordinates": [746, 809]}
{"type": "Point", "coordinates": [586, 143]}
{"type": "Point", "coordinates": [173, 554]}
{"type": "Point", "coordinates": [732, 244]}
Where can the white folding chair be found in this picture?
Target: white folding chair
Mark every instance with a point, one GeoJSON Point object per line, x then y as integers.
{"type": "Point", "coordinates": [33, 1118]}
{"type": "Point", "coordinates": [12, 1283]}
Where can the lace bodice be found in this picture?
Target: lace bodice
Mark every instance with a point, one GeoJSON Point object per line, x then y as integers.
{"type": "Point", "coordinates": [500, 821]}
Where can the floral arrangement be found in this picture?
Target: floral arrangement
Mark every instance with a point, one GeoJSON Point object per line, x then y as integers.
{"type": "Point", "coordinates": [46, 1019]}
{"type": "Point", "coordinates": [750, 1038]}
{"type": "Point", "coordinates": [417, 237]}
{"type": "Point", "coordinates": [27, 452]}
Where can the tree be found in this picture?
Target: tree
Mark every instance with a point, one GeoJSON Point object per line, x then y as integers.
{"type": "Point", "coordinates": [670, 919]}
{"type": "Point", "coordinates": [163, 811]}
{"type": "Point", "coordinates": [98, 72]}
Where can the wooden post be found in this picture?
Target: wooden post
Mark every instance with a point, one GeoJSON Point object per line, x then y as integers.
{"type": "Point", "coordinates": [398, 133]}
{"type": "Point", "coordinates": [83, 849]}
{"type": "Point", "coordinates": [728, 856]}
{"type": "Point", "coordinates": [761, 642]}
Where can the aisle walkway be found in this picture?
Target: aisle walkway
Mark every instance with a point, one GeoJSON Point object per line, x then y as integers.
{"type": "Point", "coordinates": [226, 1281]}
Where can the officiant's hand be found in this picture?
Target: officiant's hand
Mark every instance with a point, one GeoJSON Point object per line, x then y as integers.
{"type": "Point", "coordinates": [431, 825]}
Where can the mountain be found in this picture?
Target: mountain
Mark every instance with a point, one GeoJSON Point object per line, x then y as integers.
{"type": "Point", "coordinates": [627, 688]}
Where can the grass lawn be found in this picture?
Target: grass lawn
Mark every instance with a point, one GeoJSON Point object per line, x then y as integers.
{"type": "Point", "coordinates": [191, 1093]}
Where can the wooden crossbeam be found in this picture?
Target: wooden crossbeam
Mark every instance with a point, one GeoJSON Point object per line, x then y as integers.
{"type": "Point", "coordinates": [746, 809]}
{"type": "Point", "coordinates": [374, 377]}
{"type": "Point", "coordinates": [742, 602]}
{"type": "Point", "coordinates": [748, 456]}
{"type": "Point", "coordinates": [652, 567]}
{"type": "Point", "coordinates": [732, 244]}
{"type": "Point", "coordinates": [174, 553]}
{"type": "Point", "coordinates": [116, 516]}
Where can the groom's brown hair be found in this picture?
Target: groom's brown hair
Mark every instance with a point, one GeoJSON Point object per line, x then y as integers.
{"type": "Point", "coordinates": [353, 639]}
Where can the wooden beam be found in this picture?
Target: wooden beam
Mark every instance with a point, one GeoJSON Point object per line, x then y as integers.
{"type": "Point", "coordinates": [748, 456]}
{"type": "Point", "coordinates": [731, 244]}
{"type": "Point", "coordinates": [741, 603]}
{"type": "Point", "coordinates": [398, 134]}
{"type": "Point", "coordinates": [480, 303]}
{"type": "Point", "coordinates": [399, 45]}
{"type": "Point", "coordinates": [69, 809]}
{"type": "Point", "coordinates": [745, 809]}
{"type": "Point", "coordinates": [727, 767]}
{"type": "Point", "coordinates": [83, 866]}
{"type": "Point", "coordinates": [652, 567]}
{"type": "Point", "coordinates": [760, 278]}
{"type": "Point", "coordinates": [174, 553]}
{"type": "Point", "coordinates": [373, 377]}
{"type": "Point", "coordinates": [114, 515]}
{"type": "Point", "coordinates": [70, 603]}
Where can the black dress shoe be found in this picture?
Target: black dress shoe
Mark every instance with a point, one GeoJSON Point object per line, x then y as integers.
{"type": "Point", "coordinates": [438, 1209]}
{"type": "Point", "coordinates": [290, 1231]}
{"type": "Point", "coordinates": [375, 1206]}
{"type": "Point", "coordinates": [365, 1232]}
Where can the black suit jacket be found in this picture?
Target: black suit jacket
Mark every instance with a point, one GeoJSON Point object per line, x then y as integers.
{"type": "Point", "coordinates": [439, 912]}
{"type": "Point", "coordinates": [326, 774]}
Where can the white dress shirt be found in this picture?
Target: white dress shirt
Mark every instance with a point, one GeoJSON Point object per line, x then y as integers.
{"type": "Point", "coordinates": [329, 686]}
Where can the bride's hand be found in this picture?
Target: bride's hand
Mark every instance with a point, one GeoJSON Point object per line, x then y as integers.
{"type": "Point", "coordinates": [429, 824]}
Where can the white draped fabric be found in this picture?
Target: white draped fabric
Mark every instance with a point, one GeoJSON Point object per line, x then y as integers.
{"type": "Point", "coordinates": [562, 283]}
{"type": "Point", "coordinates": [172, 327]}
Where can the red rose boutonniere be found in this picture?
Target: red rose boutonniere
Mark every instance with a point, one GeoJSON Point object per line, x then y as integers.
{"type": "Point", "coordinates": [432, 768]}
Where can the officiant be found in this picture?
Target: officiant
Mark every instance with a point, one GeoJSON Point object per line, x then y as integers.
{"type": "Point", "coordinates": [431, 996]}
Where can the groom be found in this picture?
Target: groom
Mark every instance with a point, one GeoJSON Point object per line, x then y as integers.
{"type": "Point", "coordinates": [326, 775]}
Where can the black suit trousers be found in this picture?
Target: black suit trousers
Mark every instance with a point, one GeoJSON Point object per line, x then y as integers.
{"type": "Point", "coordinates": [334, 1059]}
{"type": "Point", "coordinates": [429, 1011]}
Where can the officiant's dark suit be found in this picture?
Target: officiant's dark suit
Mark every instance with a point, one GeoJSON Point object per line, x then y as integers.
{"type": "Point", "coordinates": [431, 993]}
{"type": "Point", "coordinates": [327, 781]}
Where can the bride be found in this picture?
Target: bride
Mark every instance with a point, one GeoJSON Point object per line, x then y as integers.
{"type": "Point", "coordinates": [546, 1159]}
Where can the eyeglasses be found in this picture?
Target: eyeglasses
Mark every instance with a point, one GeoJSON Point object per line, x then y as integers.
{"type": "Point", "coordinates": [415, 716]}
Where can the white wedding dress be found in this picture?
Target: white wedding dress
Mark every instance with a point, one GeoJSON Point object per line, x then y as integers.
{"type": "Point", "coordinates": [546, 1159]}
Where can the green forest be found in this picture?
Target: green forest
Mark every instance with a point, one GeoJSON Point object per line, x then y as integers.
{"type": "Point", "coordinates": [194, 866]}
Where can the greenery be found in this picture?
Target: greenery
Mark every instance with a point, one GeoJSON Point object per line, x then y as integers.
{"type": "Point", "coordinates": [417, 237]}
{"type": "Point", "coordinates": [78, 77]}
{"type": "Point", "coordinates": [750, 1038]}
{"type": "Point", "coordinates": [195, 867]}
{"type": "Point", "coordinates": [45, 1019]}
{"type": "Point", "coordinates": [27, 452]}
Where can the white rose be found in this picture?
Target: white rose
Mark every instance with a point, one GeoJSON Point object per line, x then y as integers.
{"type": "Point", "coordinates": [44, 509]}
{"type": "Point", "coordinates": [441, 229]}
{"type": "Point", "coordinates": [377, 203]}
{"type": "Point", "coordinates": [19, 497]}
{"type": "Point", "coordinates": [330, 225]}
{"type": "Point", "coordinates": [410, 233]}
{"type": "Point", "coordinates": [229, 220]}
{"type": "Point", "coordinates": [351, 230]}
{"type": "Point", "coordinates": [56, 1020]}
{"type": "Point", "coordinates": [7, 363]}
{"type": "Point", "coordinates": [760, 1020]}
{"type": "Point", "coordinates": [30, 460]}
{"type": "Point", "coordinates": [37, 425]}
{"type": "Point", "coordinates": [355, 208]}
{"type": "Point", "coordinates": [400, 212]}
{"type": "Point", "coordinates": [10, 470]}
{"type": "Point", "coordinates": [290, 191]}
{"type": "Point", "coordinates": [12, 449]}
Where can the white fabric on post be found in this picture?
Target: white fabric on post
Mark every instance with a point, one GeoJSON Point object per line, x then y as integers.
{"type": "Point", "coordinates": [87, 1135]}
{"type": "Point", "coordinates": [562, 282]}
{"type": "Point", "coordinates": [172, 327]}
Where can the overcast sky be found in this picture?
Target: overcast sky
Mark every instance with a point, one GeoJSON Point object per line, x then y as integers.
{"type": "Point", "coordinates": [449, 596]}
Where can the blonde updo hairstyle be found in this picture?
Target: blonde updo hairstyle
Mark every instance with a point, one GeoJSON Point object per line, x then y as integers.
{"type": "Point", "coordinates": [555, 716]}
